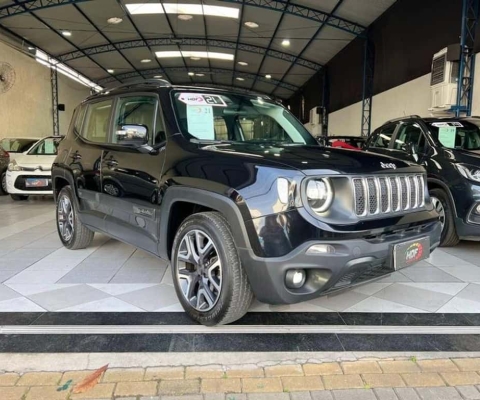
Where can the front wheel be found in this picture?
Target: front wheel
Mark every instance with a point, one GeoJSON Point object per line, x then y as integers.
{"type": "Point", "coordinates": [443, 206]}
{"type": "Point", "coordinates": [209, 279]}
{"type": "Point", "coordinates": [73, 234]}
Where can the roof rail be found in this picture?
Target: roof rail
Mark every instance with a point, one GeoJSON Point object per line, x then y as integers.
{"type": "Point", "coordinates": [404, 117]}
{"type": "Point", "coordinates": [157, 82]}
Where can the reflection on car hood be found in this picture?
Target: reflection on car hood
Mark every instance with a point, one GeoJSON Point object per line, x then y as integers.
{"type": "Point", "coordinates": [309, 159]}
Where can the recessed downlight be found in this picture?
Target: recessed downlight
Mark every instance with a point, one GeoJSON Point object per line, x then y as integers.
{"type": "Point", "coordinates": [195, 58]}
{"type": "Point", "coordinates": [243, 63]}
{"type": "Point", "coordinates": [185, 17]}
{"type": "Point", "coordinates": [190, 54]}
{"type": "Point", "coordinates": [251, 24]}
{"type": "Point", "coordinates": [67, 33]}
{"type": "Point", "coordinates": [110, 71]}
{"type": "Point", "coordinates": [200, 74]}
{"type": "Point", "coordinates": [285, 42]}
{"type": "Point", "coordinates": [31, 48]}
{"type": "Point", "coordinates": [146, 61]}
{"type": "Point", "coordinates": [115, 20]}
{"type": "Point", "coordinates": [191, 73]}
{"type": "Point", "coordinates": [183, 9]}
{"type": "Point", "coordinates": [158, 76]}
{"type": "Point", "coordinates": [240, 78]}
{"type": "Point", "coordinates": [268, 76]}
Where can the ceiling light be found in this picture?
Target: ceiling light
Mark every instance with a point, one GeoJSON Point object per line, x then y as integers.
{"type": "Point", "coordinates": [195, 58]}
{"type": "Point", "coordinates": [31, 48]}
{"type": "Point", "coordinates": [157, 76]}
{"type": "Point", "coordinates": [200, 74]}
{"type": "Point", "coordinates": [200, 54]}
{"type": "Point", "coordinates": [146, 60]}
{"type": "Point", "coordinates": [251, 24]}
{"type": "Point", "coordinates": [114, 20]}
{"type": "Point", "coordinates": [183, 9]}
{"type": "Point", "coordinates": [285, 42]}
{"type": "Point", "coordinates": [191, 73]}
{"type": "Point", "coordinates": [67, 33]}
{"type": "Point", "coordinates": [110, 71]}
{"type": "Point", "coordinates": [242, 63]}
{"type": "Point", "coordinates": [268, 76]}
{"type": "Point", "coordinates": [185, 17]}
{"type": "Point", "coordinates": [240, 79]}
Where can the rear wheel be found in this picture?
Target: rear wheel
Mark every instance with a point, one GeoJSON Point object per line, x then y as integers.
{"type": "Point", "coordinates": [3, 184]}
{"type": "Point", "coordinates": [210, 282]}
{"type": "Point", "coordinates": [18, 197]}
{"type": "Point", "coordinates": [442, 204]}
{"type": "Point", "coordinates": [73, 234]}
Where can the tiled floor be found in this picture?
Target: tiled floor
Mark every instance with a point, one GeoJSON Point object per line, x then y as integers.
{"type": "Point", "coordinates": [37, 274]}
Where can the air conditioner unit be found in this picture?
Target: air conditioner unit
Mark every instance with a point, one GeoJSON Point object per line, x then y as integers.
{"type": "Point", "coordinates": [314, 125]}
{"type": "Point", "coordinates": [444, 79]}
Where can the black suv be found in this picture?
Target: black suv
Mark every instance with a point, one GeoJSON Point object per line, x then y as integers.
{"type": "Point", "coordinates": [237, 195]}
{"type": "Point", "coordinates": [449, 149]}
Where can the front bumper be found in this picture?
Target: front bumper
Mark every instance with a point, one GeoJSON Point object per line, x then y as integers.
{"type": "Point", "coordinates": [355, 261]}
{"type": "Point", "coordinates": [16, 182]}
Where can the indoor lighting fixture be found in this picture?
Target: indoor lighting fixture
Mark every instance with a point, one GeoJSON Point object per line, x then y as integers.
{"type": "Point", "coordinates": [114, 20]}
{"type": "Point", "coordinates": [200, 54]}
{"type": "Point", "coordinates": [240, 79]}
{"type": "Point", "coordinates": [251, 24]}
{"type": "Point", "coordinates": [200, 74]}
{"type": "Point", "coordinates": [157, 76]}
{"type": "Point", "coordinates": [67, 33]}
{"type": "Point", "coordinates": [183, 9]}
{"type": "Point", "coordinates": [268, 76]}
{"type": "Point", "coordinates": [242, 63]}
{"type": "Point", "coordinates": [31, 48]}
{"type": "Point", "coordinates": [185, 17]}
{"type": "Point", "coordinates": [285, 42]}
{"type": "Point", "coordinates": [110, 71]}
{"type": "Point", "coordinates": [195, 58]}
{"type": "Point", "coordinates": [191, 73]}
{"type": "Point", "coordinates": [146, 61]}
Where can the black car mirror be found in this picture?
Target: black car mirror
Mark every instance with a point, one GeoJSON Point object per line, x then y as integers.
{"type": "Point", "coordinates": [130, 134]}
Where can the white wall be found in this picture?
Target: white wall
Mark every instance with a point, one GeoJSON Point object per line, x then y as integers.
{"type": "Point", "coordinates": [26, 109]}
{"type": "Point", "coordinates": [410, 98]}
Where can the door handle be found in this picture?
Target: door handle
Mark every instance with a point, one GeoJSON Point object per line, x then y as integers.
{"type": "Point", "coordinates": [76, 156]}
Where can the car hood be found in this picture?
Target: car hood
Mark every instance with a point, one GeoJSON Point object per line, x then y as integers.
{"type": "Point", "coordinates": [471, 157]}
{"type": "Point", "coordinates": [311, 159]}
{"type": "Point", "coordinates": [33, 161]}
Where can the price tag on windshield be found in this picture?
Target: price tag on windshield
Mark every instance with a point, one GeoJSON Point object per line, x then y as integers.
{"type": "Point", "coordinates": [446, 136]}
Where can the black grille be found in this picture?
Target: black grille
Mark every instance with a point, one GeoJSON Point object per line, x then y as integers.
{"type": "Point", "coordinates": [360, 197]}
{"type": "Point", "coordinates": [395, 199]}
{"type": "Point", "coordinates": [372, 196]}
{"type": "Point", "coordinates": [404, 188]}
{"type": "Point", "coordinates": [372, 271]}
{"type": "Point", "coordinates": [384, 194]}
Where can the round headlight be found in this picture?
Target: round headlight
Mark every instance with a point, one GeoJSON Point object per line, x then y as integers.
{"type": "Point", "coordinates": [319, 194]}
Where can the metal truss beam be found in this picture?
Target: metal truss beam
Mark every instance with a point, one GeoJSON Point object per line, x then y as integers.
{"type": "Point", "coordinates": [33, 5]}
{"type": "Point", "coordinates": [368, 71]}
{"type": "Point", "coordinates": [216, 85]}
{"type": "Point", "coordinates": [189, 41]}
{"type": "Point", "coordinates": [215, 71]}
{"type": "Point", "coordinates": [307, 13]}
{"type": "Point", "coordinates": [54, 86]}
{"type": "Point", "coordinates": [466, 68]}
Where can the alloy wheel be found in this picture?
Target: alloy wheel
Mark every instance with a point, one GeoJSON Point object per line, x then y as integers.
{"type": "Point", "coordinates": [437, 204]}
{"type": "Point", "coordinates": [199, 270]}
{"type": "Point", "coordinates": [65, 218]}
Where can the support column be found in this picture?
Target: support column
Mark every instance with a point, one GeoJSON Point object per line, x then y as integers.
{"type": "Point", "coordinates": [466, 68]}
{"type": "Point", "coordinates": [325, 102]}
{"type": "Point", "coordinates": [368, 71]}
{"type": "Point", "coordinates": [54, 85]}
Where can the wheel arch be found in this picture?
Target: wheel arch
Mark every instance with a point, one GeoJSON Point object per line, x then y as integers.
{"type": "Point", "coordinates": [438, 184]}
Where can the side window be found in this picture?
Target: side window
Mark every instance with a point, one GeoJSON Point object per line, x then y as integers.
{"type": "Point", "coordinates": [410, 133]}
{"type": "Point", "coordinates": [79, 116]}
{"type": "Point", "coordinates": [383, 137]}
{"type": "Point", "coordinates": [221, 129]}
{"type": "Point", "coordinates": [133, 115]}
{"type": "Point", "coordinates": [97, 119]}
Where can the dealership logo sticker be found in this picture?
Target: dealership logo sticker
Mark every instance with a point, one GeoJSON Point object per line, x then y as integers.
{"type": "Point", "coordinates": [198, 99]}
{"type": "Point", "coordinates": [414, 253]}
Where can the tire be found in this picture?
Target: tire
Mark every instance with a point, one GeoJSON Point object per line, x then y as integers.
{"type": "Point", "coordinates": [235, 295]}
{"type": "Point", "coordinates": [3, 184]}
{"type": "Point", "coordinates": [73, 234]}
{"type": "Point", "coordinates": [18, 197]}
{"type": "Point", "coordinates": [440, 199]}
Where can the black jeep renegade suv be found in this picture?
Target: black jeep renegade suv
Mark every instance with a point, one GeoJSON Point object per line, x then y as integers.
{"type": "Point", "coordinates": [237, 195]}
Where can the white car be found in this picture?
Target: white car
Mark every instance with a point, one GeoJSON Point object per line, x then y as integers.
{"type": "Point", "coordinates": [30, 173]}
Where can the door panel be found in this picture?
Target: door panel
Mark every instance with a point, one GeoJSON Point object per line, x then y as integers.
{"type": "Point", "coordinates": [410, 133]}
{"type": "Point", "coordinates": [381, 140]}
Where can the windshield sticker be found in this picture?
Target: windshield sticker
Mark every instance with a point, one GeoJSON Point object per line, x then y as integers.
{"type": "Point", "coordinates": [195, 99]}
{"type": "Point", "coordinates": [441, 124]}
{"type": "Point", "coordinates": [446, 136]}
{"type": "Point", "coordinates": [200, 122]}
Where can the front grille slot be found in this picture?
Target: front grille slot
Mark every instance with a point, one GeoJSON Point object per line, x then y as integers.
{"type": "Point", "coordinates": [387, 195]}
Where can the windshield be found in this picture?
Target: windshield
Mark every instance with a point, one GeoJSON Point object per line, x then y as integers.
{"type": "Point", "coordinates": [456, 134]}
{"type": "Point", "coordinates": [16, 145]}
{"type": "Point", "coordinates": [237, 118]}
{"type": "Point", "coordinates": [46, 147]}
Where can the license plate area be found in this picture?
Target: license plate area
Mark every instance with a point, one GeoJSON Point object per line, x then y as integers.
{"type": "Point", "coordinates": [408, 253]}
{"type": "Point", "coordinates": [36, 182]}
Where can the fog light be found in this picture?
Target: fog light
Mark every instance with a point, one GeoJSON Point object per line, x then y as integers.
{"type": "Point", "coordinates": [477, 209]}
{"type": "Point", "coordinates": [317, 249]}
{"type": "Point", "coordinates": [295, 278]}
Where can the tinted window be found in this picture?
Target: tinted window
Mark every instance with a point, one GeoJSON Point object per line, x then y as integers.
{"type": "Point", "coordinates": [410, 133]}
{"type": "Point", "coordinates": [456, 134]}
{"type": "Point", "coordinates": [46, 147]}
{"type": "Point", "coordinates": [80, 115]}
{"type": "Point", "coordinates": [135, 111]}
{"type": "Point", "coordinates": [383, 137]}
{"type": "Point", "coordinates": [97, 119]}
{"type": "Point", "coordinates": [17, 145]}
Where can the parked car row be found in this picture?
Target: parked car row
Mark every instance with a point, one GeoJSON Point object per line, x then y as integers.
{"type": "Point", "coordinates": [25, 166]}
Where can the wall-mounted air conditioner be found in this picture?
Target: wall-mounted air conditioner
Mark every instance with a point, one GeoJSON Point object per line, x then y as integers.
{"type": "Point", "coordinates": [444, 78]}
{"type": "Point", "coordinates": [314, 125]}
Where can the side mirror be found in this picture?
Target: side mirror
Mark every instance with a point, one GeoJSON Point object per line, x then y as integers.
{"type": "Point", "coordinates": [136, 135]}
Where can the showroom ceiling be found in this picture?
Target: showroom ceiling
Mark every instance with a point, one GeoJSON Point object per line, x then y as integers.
{"type": "Point", "coordinates": [267, 46]}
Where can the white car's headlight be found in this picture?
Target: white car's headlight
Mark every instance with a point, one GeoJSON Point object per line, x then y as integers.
{"type": "Point", "coordinates": [13, 166]}
{"type": "Point", "coordinates": [319, 194]}
{"type": "Point", "coordinates": [469, 172]}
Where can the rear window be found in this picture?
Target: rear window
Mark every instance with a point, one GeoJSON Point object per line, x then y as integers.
{"type": "Point", "coordinates": [17, 145]}
{"type": "Point", "coordinates": [46, 147]}
{"type": "Point", "coordinates": [461, 134]}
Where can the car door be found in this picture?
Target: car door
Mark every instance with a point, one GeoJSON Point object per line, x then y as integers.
{"type": "Point", "coordinates": [91, 127]}
{"type": "Point", "coordinates": [410, 143]}
{"type": "Point", "coordinates": [130, 179]}
{"type": "Point", "coordinates": [381, 140]}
